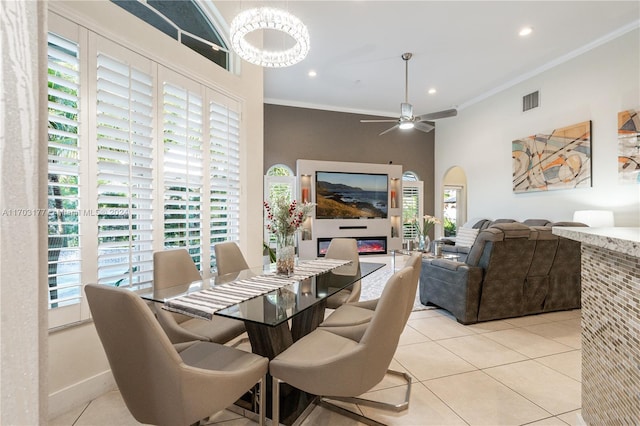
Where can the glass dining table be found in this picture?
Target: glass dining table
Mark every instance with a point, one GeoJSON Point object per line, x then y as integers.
{"type": "Point", "coordinates": [276, 319]}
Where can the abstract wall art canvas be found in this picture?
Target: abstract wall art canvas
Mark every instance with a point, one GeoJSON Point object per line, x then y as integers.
{"type": "Point", "coordinates": [559, 160]}
{"type": "Point", "coordinates": [629, 146]}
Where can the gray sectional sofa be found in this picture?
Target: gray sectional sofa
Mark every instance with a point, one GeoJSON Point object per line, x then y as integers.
{"type": "Point", "coordinates": [511, 270]}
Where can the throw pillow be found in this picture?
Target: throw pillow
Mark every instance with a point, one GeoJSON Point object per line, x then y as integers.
{"type": "Point", "coordinates": [465, 237]}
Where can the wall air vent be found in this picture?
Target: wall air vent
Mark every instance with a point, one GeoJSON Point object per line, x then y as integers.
{"type": "Point", "coordinates": [530, 101]}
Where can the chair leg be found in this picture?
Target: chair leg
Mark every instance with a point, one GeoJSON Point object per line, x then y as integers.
{"type": "Point", "coordinates": [379, 404]}
{"type": "Point", "coordinates": [350, 414]}
{"type": "Point", "coordinates": [275, 404]}
{"type": "Point", "coordinates": [261, 400]}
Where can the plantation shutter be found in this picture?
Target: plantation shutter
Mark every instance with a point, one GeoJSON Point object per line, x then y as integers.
{"type": "Point", "coordinates": [64, 276]}
{"type": "Point", "coordinates": [224, 169]}
{"type": "Point", "coordinates": [125, 174]}
{"type": "Point", "coordinates": [183, 169]}
{"type": "Point", "coordinates": [137, 160]}
{"type": "Point", "coordinates": [411, 208]}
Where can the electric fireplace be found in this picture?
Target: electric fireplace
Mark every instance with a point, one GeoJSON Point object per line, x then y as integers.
{"type": "Point", "coordinates": [366, 245]}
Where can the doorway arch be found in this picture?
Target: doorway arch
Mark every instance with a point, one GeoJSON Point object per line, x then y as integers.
{"type": "Point", "coordinates": [454, 200]}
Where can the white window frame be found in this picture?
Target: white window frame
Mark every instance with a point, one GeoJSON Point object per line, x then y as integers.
{"type": "Point", "coordinates": [224, 173]}
{"type": "Point", "coordinates": [90, 43]}
{"type": "Point", "coordinates": [461, 206]}
{"type": "Point", "coordinates": [139, 272]}
{"type": "Point", "coordinates": [72, 312]}
{"type": "Point", "coordinates": [416, 187]}
{"type": "Point", "coordinates": [289, 182]}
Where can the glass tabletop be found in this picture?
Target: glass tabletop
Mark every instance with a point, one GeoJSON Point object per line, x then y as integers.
{"type": "Point", "coordinates": [277, 306]}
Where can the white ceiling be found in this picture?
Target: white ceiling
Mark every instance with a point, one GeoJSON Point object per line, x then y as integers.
{"type": "Point", "coordinates": [467, 50]}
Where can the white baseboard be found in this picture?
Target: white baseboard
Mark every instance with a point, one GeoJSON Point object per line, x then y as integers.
{"type": "Point", "coordinates": [80, 393]}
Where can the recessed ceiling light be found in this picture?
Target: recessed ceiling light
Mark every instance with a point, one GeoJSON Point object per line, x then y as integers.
{"type": "Point", "coordinates": [312, 73]}
{"type": "Point", "coordinates": [525, 31]}
{"type": "Point", "coordinates": [432, 91]}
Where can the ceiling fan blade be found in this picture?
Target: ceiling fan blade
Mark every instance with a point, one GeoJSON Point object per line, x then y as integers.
{"type": "Point", "coordinates": [379, 121]}
{"type": "Point", "coordinates": [422, 126]}
{"type": "Point", "coordinates": [389, 129]}
{"type": "Point", "coordinates": [440, 114]}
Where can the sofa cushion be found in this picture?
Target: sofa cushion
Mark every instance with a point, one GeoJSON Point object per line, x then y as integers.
{"type": "Point", "coordinates": [514, 230]}
{"type": "Point", "coordinates": [536, 222]}
{"type": "Point", "coordinates": [499, 221]}
{"type": "Point", "coordinates": [465, 237]}
{"type": "Point", "coordinates": [477, 223]}
{"type": "Point", "coordinates": [552, 224]}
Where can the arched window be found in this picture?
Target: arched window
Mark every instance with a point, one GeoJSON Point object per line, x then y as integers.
{"type": "Point", "coordinates": [185, 21]}
{"type": "Point", "coordinates": [280, 181]}
{"type": "Point", "coordinates": [410, 176]}
{"type": "Point", "coordinates": [279, 170]}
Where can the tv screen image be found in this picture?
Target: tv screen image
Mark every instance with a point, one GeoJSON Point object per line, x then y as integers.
{"type": "Point", "coordinates": [341, 195]}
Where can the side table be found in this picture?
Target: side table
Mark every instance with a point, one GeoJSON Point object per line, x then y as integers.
{"type": "Point", "coordinates": [425, 255]}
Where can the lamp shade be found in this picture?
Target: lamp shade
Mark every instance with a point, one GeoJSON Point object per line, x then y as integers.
{"type": "Point", "coordinates": [594, 218]}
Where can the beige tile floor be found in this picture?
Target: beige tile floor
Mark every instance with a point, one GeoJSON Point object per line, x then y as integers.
{"type": "Point", "coordinates": [521, 371]}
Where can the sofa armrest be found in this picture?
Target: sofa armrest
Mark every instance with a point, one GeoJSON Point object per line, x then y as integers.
{"type": "Point", "coordinates": [454, 286]}
{"type": "Point", "coordinates": [456, 249]}
{"type": "Point", "coordinates": [449, 264]}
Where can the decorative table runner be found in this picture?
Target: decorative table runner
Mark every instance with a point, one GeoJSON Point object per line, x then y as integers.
{"type": "Point", "coordinates": [204, 303]}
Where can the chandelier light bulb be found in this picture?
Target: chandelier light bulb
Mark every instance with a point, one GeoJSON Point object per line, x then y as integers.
{"type": "Point", "coordinates": [268, 18]}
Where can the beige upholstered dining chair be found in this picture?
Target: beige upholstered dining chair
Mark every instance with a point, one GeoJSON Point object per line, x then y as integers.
{"type": "Point", "coordinates": [175, 268]}
{"type": "Point", "coordinates": [160, 385]}
{"type": "Point", "coordinates": [229, 258]}
{"type": "Point", "coordinates": [336, 367]}
{"type": "Point", "coordinates": [344, 249]}
{"type": "Point", "coordinates": [352, 319]}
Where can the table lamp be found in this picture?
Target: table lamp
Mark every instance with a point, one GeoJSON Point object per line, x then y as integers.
{"type": "Point", "coordinates": [594, 218]}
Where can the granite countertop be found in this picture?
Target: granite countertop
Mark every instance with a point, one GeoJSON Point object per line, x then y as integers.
{"type": "Point", "coordinates": [623, 240]}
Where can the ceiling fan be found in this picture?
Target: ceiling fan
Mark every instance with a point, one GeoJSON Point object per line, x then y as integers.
{"type": "Point", "coordinates": [407, 120]}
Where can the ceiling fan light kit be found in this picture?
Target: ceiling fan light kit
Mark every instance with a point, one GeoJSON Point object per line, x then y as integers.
{"type": "Point", "coordinates": [268, 18]}
{"type": "Point", "coordinates": [407, 120]}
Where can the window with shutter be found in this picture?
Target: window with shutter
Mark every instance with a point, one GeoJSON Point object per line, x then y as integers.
{"type": "Point", "coordinates": [64, 170]}
{"type": "Point", "coordinates": [279, 181]}
{"type": "Point", "coordinates": [412, 207]}
{"type": "Point", "coordinates": [125, 174]}
{"type": "Point", "coordinates": [224, 172]}
{"type": "Point", "coordinates": [142, 159]}
{"type": "Point", "coordinates": [183, 169]}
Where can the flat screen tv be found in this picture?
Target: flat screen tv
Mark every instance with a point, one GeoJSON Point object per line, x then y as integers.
{"type": "Point", "coordinates": [341, 195]}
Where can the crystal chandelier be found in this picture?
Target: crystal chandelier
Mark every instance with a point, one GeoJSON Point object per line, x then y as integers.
{"type": "Point", "coordinates": [270, 19]}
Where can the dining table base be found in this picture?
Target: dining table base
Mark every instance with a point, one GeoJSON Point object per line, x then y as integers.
{"type": "Point", "coordinates": [269, 341]}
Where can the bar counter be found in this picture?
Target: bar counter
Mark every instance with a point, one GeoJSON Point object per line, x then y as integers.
{"type": "Point", "coordinates": [610, 323]}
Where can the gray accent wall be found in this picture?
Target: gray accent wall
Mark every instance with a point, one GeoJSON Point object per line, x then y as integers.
{"type": "Point", "coordinates": [292, 133]}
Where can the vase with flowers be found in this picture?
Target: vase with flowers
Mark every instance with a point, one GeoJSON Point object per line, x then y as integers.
{"type": "Point", "coordinates": [423, 227]}
{"type": "Point", "coordinates": [284, 218]}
